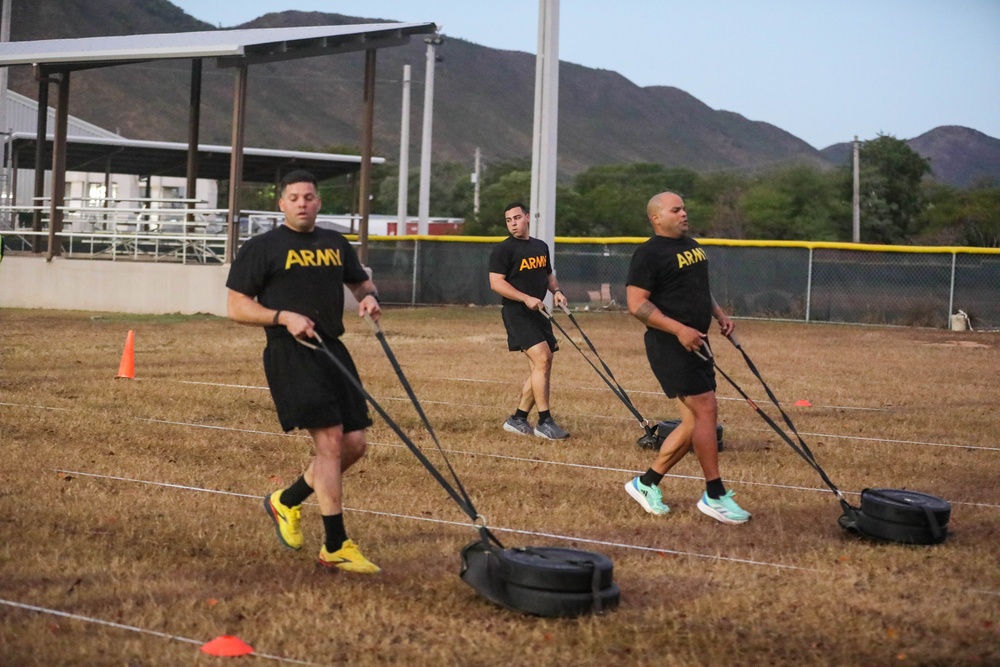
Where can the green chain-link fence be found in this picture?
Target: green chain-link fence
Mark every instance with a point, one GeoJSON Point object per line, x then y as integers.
{"type": "Point", "coordinates": [827, 282]}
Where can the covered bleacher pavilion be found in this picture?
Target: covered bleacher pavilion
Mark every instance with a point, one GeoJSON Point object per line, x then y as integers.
{"type": "Point", "coordinates": [56, 60]}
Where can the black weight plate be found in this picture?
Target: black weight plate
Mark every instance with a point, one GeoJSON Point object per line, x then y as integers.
{"type": "Point", "coordinates": [664, 428]}
{"type": "Point", "coordinates": [555, 568]}
{"type": "Point", "coordinates": [904, 506]}
{"type": "Point", "coordinates": [554, 603]}
{"type": "Point", "coordinates": [899, 532]}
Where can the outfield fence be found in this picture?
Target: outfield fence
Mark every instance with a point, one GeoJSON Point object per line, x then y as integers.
{"type": "Point", "coordinates": [807, 281]}
{"type": "Point", "coordinates": [813, 282]}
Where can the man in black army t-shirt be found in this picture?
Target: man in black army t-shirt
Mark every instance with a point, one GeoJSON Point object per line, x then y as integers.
{"type": "Point", "coordinates": [668, 291]}
{"type": "Point", "coordinates": [291, 281]}
{"type": "Point", "coordinates": [521, 272]}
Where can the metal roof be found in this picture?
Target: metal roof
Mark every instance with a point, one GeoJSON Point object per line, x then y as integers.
{"type": "Point", "coordinates": [230, 46]}
{"type": "Point", "coordinates": [163, 158]}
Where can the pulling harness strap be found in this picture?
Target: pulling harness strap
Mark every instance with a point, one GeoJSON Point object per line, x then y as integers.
{"type": "Point", "coordinates": [800, 448]}
{"type": "Point", "coordinates": [460, 496]}
{"type": "Point", "coordinates": [612, 383]}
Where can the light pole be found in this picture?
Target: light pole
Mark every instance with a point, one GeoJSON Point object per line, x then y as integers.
{"type": "Point", "coordinates": [404, 154]}
{"type": "Point", "coordinates": [425, 146]}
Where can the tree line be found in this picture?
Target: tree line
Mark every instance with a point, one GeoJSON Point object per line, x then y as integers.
{"type": "Point", "coordinates": [899, 204]}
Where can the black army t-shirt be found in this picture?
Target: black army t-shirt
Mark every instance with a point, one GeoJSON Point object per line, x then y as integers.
{"type": "Point", "coordinates": [300, 272]}
{"type": "Point", "coordinates": [675, 271]}
{"type": "Point", "coordinates": [524, 263]}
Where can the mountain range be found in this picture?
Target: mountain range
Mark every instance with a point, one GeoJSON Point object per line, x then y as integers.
{"type": "Point", "coordinates": [483, 97]}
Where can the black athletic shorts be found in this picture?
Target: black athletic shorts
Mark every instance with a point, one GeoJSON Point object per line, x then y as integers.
{"type": "Point", "coordinates": [679, 372]}
{"type": "Point", "coordinates": [526, 328]}
{"type": "Point", "coordinates": [309, 391]}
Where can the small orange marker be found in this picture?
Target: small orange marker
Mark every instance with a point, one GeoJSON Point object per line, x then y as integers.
{"type": "Point", "coordinates": [227, 646]}
{"type": "Point", "coordinates": [803, 403]}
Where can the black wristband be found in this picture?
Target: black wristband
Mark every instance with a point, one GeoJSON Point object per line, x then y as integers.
{"type": "Point", "coordinates": [277, 314]}
{"type": "Point", "coordinates": [556, 290]}
{"type": "Point", "coordinates": [372, 294]}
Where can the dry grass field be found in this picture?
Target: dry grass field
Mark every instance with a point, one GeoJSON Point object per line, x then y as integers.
{"type": "Point", "coordinates": [132, 528]}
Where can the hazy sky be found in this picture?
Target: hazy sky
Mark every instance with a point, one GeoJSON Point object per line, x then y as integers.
{"type": "Point", "coordinates": [823, 70]}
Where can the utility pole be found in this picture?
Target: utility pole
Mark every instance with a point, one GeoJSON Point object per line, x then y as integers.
{"type": "Point", "coordinates": [857, 191]}
{"type": "Point", "coordinates": [404, 155]}
{"type": "Point", "coordinates": [475, 184]}
{"type": "Point", "coordinates": [425, 146]}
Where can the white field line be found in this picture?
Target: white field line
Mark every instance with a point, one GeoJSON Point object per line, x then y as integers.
{"type": "Point", "coordinates": [133, 628]}
{"type": "Point", "coordinates": [502, 457]}
{"type": "Point", "coordinates": [656, 393]}
{"type": "Point", "coordinates": [631, 419]}
{"type": "Point", "coordinates": [516, 531]}
{"type": "Point", "coordinates": [555, 536]}
{"type": "Point", "coordinates": [600, 389]}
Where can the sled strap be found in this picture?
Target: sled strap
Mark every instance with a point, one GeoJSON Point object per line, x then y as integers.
{"type": "Point", "coordinates": [932, 521]}
{"type": "Point", "coordinates": [461, 498]}
{"type": "Point", "coordinates": [612, 383]}
{"type": "Point", "coordinates": [799, 448]}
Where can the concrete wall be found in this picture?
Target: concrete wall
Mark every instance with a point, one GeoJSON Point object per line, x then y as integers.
{"type": "Point", "coordinates": [123, 287]}
{"type": "Point", "coordinates": [117, 287]}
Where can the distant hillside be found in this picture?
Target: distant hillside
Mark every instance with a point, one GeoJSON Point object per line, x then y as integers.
{"type": "Point", "coordinates": [959, 156]}
{"type": "Point", "coordinates": [483, 98]}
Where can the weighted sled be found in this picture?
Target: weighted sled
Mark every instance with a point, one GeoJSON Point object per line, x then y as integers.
{"type": "Point", "coordinates": [905, 507]}
{"type": "Point", "coordinates": [900, 532]}
{"type": "Point", "coordinates": [492, 571]}
{"type": "Point", "coordinates": [665, 428]}
{"type": "Point", "coordinates": [556, 603]}
{"type": "Point", "coordinates": [555, 568]}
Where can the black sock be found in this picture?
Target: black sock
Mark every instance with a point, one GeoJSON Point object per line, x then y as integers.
{"type": "Point", "coordinates": [651, 478]}
{"type": "Point", "coordinates": [544, 415]}
{"type": "Point", "coordinates": [520, 414]}
{"type": "Point", "coordinates": [296, 494]}
{"type": "Point", "coordinates": [714, 488]}
{"type": "Point", "coordinates": [333, 524]}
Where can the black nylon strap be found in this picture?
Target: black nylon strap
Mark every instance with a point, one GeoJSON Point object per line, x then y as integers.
{"type": "Point", "coordinates": [800, 448]}
{"type": "Point", "coordinates": [462, 500]}
{"type": "Point", "coordinates": [612, 383]}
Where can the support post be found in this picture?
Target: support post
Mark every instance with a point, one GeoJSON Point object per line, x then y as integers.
{"type": "Point", "coordinates": [194, 121]}
{"type": "Point", "coordinates": [58, 167]}
{"type": "Point", "coordinates": [368, 124]}
{"type": "Point", "coordinates": [424, 213]}
{"type": "Point", "coordinates": [41, 132]}
{"type": "Point", "coordinates": [236, 162]}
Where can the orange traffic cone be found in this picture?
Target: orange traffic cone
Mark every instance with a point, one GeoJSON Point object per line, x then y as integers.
{"type": "Point", "coordinates": [227, 646]}
{"type": "Point", "coordinates": [127, 367]}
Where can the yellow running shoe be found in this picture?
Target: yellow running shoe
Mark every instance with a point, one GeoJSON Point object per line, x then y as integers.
{"type": "Point", "coordinates": [287, 520]}
{"type": "Point", "coordinates": [348, 557]}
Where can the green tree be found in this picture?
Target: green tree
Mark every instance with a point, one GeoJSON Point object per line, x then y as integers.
{"type": "Point", "coordinates": [795, 203]}
{"type": "Point", "coordinates": [891, 196]}
{"type": "Point", "coordinates": [612, 198]}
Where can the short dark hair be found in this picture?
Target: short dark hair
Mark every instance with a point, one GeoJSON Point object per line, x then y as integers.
{"type": "Point", "coordinates": [516, 204]}
{"type": "Point", "coordinates": [297, 176]}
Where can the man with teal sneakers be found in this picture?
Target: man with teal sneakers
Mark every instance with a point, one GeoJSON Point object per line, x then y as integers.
{"type": "Point", "coordinates": [668, 291]}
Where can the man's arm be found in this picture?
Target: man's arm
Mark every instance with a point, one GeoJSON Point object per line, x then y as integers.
{"type": "Point", "coordinates": [558, 298]}
{"type": "Point", "coordinates": [726, 325]}
{"type": "Point", "coordinates": [367, 297]}
{"type": "Point", "coordinates": [247, 310]}
{"type": "Point", "coordinates": [642, 309]}
{"type": "Point", "coordinates": [500, 285]}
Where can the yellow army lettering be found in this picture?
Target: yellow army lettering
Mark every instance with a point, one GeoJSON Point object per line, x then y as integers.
{"type": "Point", "coordinates": [321, 257]}
{"type": "Point", "coordinates": [690, 257]}
{"type": "Point", "coordinates": [533, 263]}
